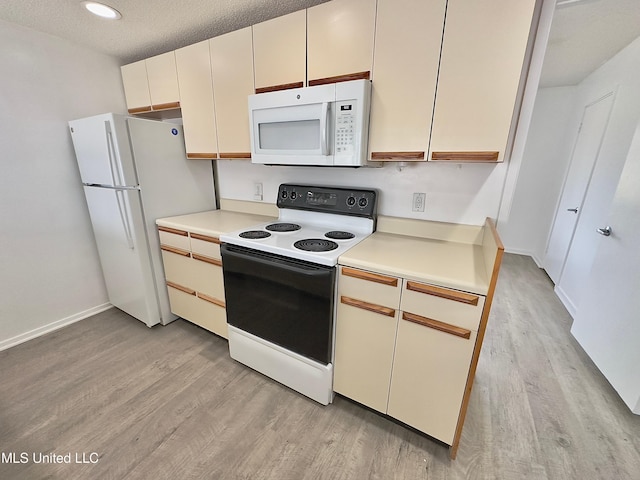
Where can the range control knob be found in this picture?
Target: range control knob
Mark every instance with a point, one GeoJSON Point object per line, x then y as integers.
{"type": "Point", "coordinates": [351, 201]}
{"type": "Point", "coordinates": [284, 194]}
{"type": "Point", "coordinates": [363, 202]}
{"type": "Point", "coordinates": [293, 195]}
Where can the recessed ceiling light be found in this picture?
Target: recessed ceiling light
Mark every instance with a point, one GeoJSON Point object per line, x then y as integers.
{"type": "Point", "coordinates": [102, 10]}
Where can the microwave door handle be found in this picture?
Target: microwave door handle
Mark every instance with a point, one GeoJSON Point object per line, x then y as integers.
{"type": "Point", "coordinates": [324, 120]}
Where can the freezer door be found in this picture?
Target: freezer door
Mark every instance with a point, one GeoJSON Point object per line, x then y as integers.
{"type": "Point", "coordinates": [103, 151]}
{"type": "Point", "coordinates": [116, 215]}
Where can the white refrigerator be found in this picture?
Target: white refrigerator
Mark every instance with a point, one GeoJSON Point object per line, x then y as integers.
{"type": "Point", "coordinates": [134, 171]}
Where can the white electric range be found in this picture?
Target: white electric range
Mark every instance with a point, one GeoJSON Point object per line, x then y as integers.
{"type": "Point", "coordinates": [280, 283]}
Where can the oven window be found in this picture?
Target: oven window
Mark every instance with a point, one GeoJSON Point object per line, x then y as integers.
{"type": "Point", "coordinates": [281, 300]}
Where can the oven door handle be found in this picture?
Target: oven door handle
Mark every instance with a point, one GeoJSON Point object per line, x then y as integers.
{"type": "Point", "coordinates": [275, 261]}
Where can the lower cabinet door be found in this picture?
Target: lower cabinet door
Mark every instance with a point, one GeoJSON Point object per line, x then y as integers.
{"type": "Point", "coordinates": [364, 353]}
{"type": "Point", "coordinates": [430, 370]}
{"type": "Point", "coordinates": [204, 313]}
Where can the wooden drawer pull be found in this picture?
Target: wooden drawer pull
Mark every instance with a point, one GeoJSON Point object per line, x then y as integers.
{"type": "Point", "coordinates": [235, 155]}
{"type": "Point", "coordinates": [466, 156]}
{"type": "Point", "coordinates": [340, 78]}
{"type": "Point", "coordinates": [175, 231]}
{"type": "Point", "coordinates": [202, 258]}
{"type": "Point", "coordinates": [372, 307]}
{"type": "Point", "coordinates": [177, 251]}
{"type": "Point", "coordinates": [205, 238]}
{"type": "Point", "coordinates": [186, 290]}
{"type": "Point", "coordinates": [443, 293]}
{"type": "Point", "coordinates": [372, 277]}
{"type": "Point", "coordinates": [209, 299]}
{"type": "Point", "coordinates": [436, 325]}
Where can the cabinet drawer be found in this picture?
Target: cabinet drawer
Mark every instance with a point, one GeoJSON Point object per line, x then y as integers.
{"type": "Point", "coordinates": [364, 355]}
{"type": "Point", "coordinates": [457, 308]}
{"type": "Point", "coordinates": [206, 276]}
{"type": "Point", "coordinates": [203, 313]}
{"type": "Point", "coordinates": [177, 266]}
{"type": "Point", "coordinates": [174, 238]}
{"type": "Point", "coordinates": [383, 290]}
{"type": "Point", "coordinates": [430, 372]}
{"type": "Point", "coordinates": [206, 245]}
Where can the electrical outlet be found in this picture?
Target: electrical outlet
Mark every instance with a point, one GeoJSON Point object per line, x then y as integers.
{"type": "Point", "coordinates": [257, 191]}
{"type": "Point", "coordinates": [418, 202]}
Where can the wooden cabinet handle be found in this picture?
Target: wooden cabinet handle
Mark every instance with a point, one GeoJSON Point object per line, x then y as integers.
{"type": "Point", "coordinates": [175, 231]}
{"type": "Point", "coordinates": [466, 156]}
{"type": "Point", "coordinates": [398, 156]}
{"type": "Point", "coordinates": [340, 78]}
{"type": "Point", "coordinates": [436, 325]}
{"type": "Point", "coordinates": [186, 290]}
{"type": "Point", "coordinates": [205, 238]}
{"type": "Point", "coordinates": [235, 155]}
{"type": "Point", "coordinates": [371, 277]}
{"type": "Point", "coordinates": [202, 258]}
{"type": "Point", "coordinates": [201, 156]}
{"type": "Point", "coordinates": [372, 307]}
{"type": "Point", "coordinates": [134, 111]}
{"type": "Point", "coordinates": [276, 88]}
{"type": "Point", "coordinates": [443, 293]}
{"type": "Point", "coordinates": [177, 251]}
{"type": "Point", "coordinates": [209, 299]}
{"type": "Point", "coordinates": [165, 106]}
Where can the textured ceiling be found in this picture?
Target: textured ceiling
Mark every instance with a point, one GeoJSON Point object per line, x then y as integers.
{"type": "Point", "coordinates": [583, 36]}
{"type": "Point", "coordinates": [147, 27]}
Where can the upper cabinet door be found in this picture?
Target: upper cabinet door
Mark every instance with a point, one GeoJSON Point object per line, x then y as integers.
{"type": "Point", "coordinates": [136, 87]}
{"type": "Point", "coordinates": [232, 66]}
{"type": "Point", "coordinates": [163, 81]}
{"type": "Point", "coordinates": [482, 57]}
{"type": "Point", "coordinates": [405, 72]}
{"type": "Point", "coordinates": [279, 49]}
{"type": "Point", "coordinates": [198, 113]}
{"type": "Point", "coordinates": [340, 38]}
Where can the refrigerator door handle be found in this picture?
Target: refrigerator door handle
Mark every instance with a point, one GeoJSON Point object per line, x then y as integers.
{"type": "Point", "coordinates": [124, 217]}
{"type": "Point", "coordinates": [113, 161]}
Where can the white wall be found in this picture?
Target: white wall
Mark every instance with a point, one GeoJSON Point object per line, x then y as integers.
{"type": "Point", "coordinates": [50, 273]}
{"type": "Point", "coordinates": [454, 193]}
{"type": "Point", "coordinates": [545, 161]}
{"type": "Point", "coordinates": [538, 187]}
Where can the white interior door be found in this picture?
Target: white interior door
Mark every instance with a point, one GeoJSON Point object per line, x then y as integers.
{"type": "Point", "coordinates": [606, 321]}
{"type": "Point", "coordinates": [585, 152]}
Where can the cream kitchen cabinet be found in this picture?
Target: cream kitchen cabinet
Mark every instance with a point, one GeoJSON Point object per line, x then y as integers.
{"type": "Point", "coordinates": [340, 36]}
{"type": "Point", "coordinates": [405, 351]}
{"type": "Point", "coordinates": [152, 84]}
{"type": "Point", "coordinates": [367, 318]}
{"type": "Point", "coordinates": [196, 99]}
{"type": "Point", "coordinates": [232, 67]}
{"type": "Point", "coordinates": [404, 78]}
{"type": "Point", "coordinates": [279, 49]}
{"type": "Point", "coordinates": [193, 273]}
{"type": "Point", "coordinates": [412, 308]}
{"type": "Point", "coordinates": [483, 50]}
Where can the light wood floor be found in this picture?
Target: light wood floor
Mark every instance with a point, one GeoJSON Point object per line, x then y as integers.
{"type": "Point", "coordinates": [169, 403]}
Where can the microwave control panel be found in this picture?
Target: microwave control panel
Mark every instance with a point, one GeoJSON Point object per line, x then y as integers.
{"type": "Point", "coordinates": [345, 126]}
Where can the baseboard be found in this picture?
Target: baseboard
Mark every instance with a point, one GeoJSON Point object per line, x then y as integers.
{"type": "Point", "coordinates": [568, 304]}
{"type": "Point", "coordinates": [37, 332]}
{"type": "Point", "coordinates": [518, 251]}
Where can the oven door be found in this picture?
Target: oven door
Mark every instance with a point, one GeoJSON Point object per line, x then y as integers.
{"type": "Point", "coordinates": [282, 300]}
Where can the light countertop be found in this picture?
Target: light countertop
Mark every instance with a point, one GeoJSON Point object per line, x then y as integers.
{"type": "Point", "coordinates": [213, 222]}
{"type": "Point", "coordinates": [444, 263]}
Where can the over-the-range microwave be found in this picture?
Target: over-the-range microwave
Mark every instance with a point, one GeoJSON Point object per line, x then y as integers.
{"type": "Point", "coordinates": [326, 125]}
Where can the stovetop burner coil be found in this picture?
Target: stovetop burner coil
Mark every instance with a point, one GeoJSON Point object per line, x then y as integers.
{"type": "Point", "coordinates": [315, 245]}
{"type": "Point", "coordinates": [254, 234]}
{"type": "Point", "coordinates": [283, 227]}
{"type": "Point", "coordinates": [339, 235]}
